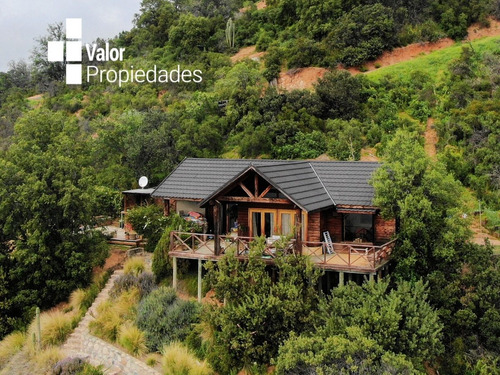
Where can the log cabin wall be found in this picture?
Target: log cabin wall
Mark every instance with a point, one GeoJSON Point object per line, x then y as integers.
{"type": "Point", "coordinates": [314, 226]}
{"type": "Point", "coordinates": [332, 222]}
{"type": "Point", "coordinates": [384, 229]}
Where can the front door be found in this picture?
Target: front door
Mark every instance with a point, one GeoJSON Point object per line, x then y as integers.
{"type": "Point", "coordinates": [263, 223]}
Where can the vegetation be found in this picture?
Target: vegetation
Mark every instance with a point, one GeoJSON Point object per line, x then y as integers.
{"type": "Point", "coordinates": [65, 159]}
{"type": "Point", "coordinates": [177, 359]}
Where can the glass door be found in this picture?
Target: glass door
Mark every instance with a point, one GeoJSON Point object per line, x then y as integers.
{"type": "Point", "coordinates": [263, 223]}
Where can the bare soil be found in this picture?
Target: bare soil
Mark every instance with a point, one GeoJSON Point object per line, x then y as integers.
{"type": "Point", "coordinates": [300, 79]}
{"type": "Point", "coordinates": [260, 5]}
{"type": "Point", "coordinates": [480, 234]}
{"type": "Point", "coordinates": [369, 154]}
{"type": "Point", "coordinates": [247, 53]}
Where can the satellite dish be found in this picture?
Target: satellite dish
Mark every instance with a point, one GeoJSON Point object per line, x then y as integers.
{"type": "Point", "coordinates": [143, 182]}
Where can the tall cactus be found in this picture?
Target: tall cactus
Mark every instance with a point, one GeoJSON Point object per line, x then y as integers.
{"type": "Point", "coordinates": [230, 30]}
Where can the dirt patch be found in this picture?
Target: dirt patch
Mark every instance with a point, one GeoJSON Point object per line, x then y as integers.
{"type": "Point", "coordinates": [481, 234]}
{"type": "Point", "coordinates": [260, 5]}
{"type": "Point", "coordinates": [431, 138]}
{"type": "Point", "coordinates": [247, 53]}
{"type": "Point", "coordinates": [369, 154]}
{"type": "Point", "coordinates": [300, 79]}
{"type": "Point", "coordinates": [115, 260]}
{"type": "Point", "coordinates": [36, 97]}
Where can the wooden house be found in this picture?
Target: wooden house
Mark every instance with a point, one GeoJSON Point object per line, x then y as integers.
{"type": "Point", "coordinates": [324, 208]}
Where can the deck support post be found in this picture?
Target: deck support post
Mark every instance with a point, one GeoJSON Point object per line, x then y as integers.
{"type": "Point", "coordinates": [379, 275]}
{"type": "Point", "coordinates": [341, 278]}
{"type": "Point", "coordinates": [200, 270]}
{"type": "Point", "coordinates": [174, 273]}
{"type": "Point", "coordinates": [349, 277]}
{"type": "Point", "coordinates": [371, 277]}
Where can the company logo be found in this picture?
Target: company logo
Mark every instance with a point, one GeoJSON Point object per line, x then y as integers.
{"type": "Point", "coordinates": [55, 51]}
{"type": "Point", "coordinates": [73, 48]}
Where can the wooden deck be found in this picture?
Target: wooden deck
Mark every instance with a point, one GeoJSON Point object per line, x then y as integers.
{"type": "Point", "coordinates": [348, 257]}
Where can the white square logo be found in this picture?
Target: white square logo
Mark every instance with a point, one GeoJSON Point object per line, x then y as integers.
{"type": "Point", "coordinates": [55, 51]}
{"type": "Point", "coordinates": [74, 74]}
{"type": "Point", "coordinates": [73, 51]}
{"type": "Point", "coordinates": [74, 28]}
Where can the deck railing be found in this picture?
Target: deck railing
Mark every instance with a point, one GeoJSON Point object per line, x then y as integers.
{"type": "Point", "coordinates": [362, 256]}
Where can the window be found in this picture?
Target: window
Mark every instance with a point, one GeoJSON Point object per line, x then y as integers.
{"type": "Point", "coordinates": [272, 222]}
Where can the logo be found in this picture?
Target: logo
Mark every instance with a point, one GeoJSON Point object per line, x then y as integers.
{"type": "Point", "coordinates": [55, 51]}
{"type": "Point", "coordinates": [73, 48]}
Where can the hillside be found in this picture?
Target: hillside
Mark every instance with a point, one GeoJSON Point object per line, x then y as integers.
{"type": "Point", "coordinates": [427, 105]}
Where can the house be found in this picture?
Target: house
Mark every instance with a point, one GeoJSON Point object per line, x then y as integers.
{"type": "Point", "coordinates": [324, 207]}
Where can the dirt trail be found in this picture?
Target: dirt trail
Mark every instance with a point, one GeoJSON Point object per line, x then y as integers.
{"type": "Point", "coordinates": [300, 79]}
{"type": "Point", "coordinates": [260, 5]}
{"type": "Point", "coordinates": [431, 138]}
{"type": "Point", "coordinates": [480, 234]}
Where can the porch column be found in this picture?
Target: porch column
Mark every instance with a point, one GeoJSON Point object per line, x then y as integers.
{"type": "Point", "coordinates": [174, 273]}
{"type": "Point", "coordinates": [200, 270]}
{"type": "Point", "coordinates": [216, 218]}
{"type": "Point", "coordinates": [341, 278]}
{"type": "Point", "coordinates": [298, 231]}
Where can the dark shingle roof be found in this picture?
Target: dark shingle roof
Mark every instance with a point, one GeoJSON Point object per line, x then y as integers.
{"type": "Point", "coordinates": [311, 185]}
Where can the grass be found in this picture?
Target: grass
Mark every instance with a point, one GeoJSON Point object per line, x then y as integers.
{"type": "Point", "coordinates": [134, 266]}
{"type": "Point", "coordinates": [132, 339]}
{"type": "Point", "coordinates": [47, 358]}
{"type": "Point", "coordinates": [188, 283]}
{"type": "Point", "coordinates": [434, 63]}
{"type": "Point", "coordinates": [178, 360]}
{"type": "Point", "coordinates": [55, 327]}
{"type": "Point", "coordinates": [10, 345]}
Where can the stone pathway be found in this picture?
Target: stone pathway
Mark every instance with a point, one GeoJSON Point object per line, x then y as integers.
{"type": "Point", "coordinates": [98, 352]}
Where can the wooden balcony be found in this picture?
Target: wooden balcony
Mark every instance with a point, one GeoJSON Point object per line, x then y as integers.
{"type": "Point", "coordinates": [348, 257]}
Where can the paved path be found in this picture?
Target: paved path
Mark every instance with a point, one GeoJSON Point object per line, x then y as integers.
{"type": "Point", "coordinates": [99, 352]}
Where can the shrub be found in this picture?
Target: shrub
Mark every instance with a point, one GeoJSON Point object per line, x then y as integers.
{"type": "Point", "coordinates": [10, 345]}
{"type": "Point", "coordinates": [134, 266]}
{"type": "Point", "coordinates": [112, 314]}
{"type": "Point", "coordinates": [148, 221]}
{"type": "Point", "coordinates": [68, 366]}
{"type": "Point", "coordinates": [132, 339]}
{"type": "Point", "coordinates": [178, 360]}
{"type": "Point", "coordinates": [144, 283]}
{"type": "Point", "coordinates": [47, 358]}
{"type": "Point", "coordinates": [93, 290]}
{"type": "Point", "coordinates": [152, 359]}
{"type": "Point", "coordinates": [55, 327]}
{"type": "Point", "coordinates": [76, 299]}
{"type": "Point", "coordinates": [165, 318]}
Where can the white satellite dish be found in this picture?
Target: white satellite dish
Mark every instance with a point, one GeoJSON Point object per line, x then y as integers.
{"type": "Point", "coordinates": [143, 182]}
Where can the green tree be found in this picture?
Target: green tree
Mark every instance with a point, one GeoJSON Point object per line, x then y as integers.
{"type": "Point", "coordinates": [46, 210]}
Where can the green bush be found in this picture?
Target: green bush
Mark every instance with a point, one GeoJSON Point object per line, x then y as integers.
{"type": "Point", "coordinates": [148, 221]}
{"type": "Point", "coordinates": [165, 318]}
{"type": "Point", "coordinates": [132, 339]}
{"type": "Point", "coordinates": [178, 360]}
{"type": "Point", "coordinates": [144, 283]}
{"type": "Point", "coordinates": [134, 266]}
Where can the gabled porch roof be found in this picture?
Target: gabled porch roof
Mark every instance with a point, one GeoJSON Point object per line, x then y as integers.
{"type": "Point", "coordinates": [297, 181]}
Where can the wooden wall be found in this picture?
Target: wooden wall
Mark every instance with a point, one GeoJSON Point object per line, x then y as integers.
{"type": "Point", "coordinates": [314, 227]}
{"type": "Point", "coordinates": [332, 222]}
{"type": "Point", "coordinates": [384, 229]}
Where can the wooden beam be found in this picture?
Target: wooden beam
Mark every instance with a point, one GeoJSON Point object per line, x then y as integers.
{"type": "Point", "coordinates": [256, 185]}
{"type": "Point", "coordinates": [263, 194]}
{"type": "Point", "coordinates": [174, 273]}
{"type": "Point", "coordinates": [249, 193]}
{"type": "Point", "coordinates": [255, 200]}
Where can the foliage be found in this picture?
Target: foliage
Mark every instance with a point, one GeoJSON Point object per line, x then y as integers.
{"type": "Point", "coordinates": [165, 318]}
{"type": "Point", "coordinates": [132, 339]}
{"type": "Point", "coordinates": [55, 327]}
{"type": "Point", "coordinates": [134, 266]}
{"type": "Point", "coordinates": [177, 360]}
{"type": "Point", "coordinates": [148, 221]}
{"type": "Point", "coordinates": [10, 345]}
{"type": "Point", "coordinates": [47, 358]}
{"type": "Point", "coordinates": [243, 333]}
{"type": "Point", "coordinates": [144, 283]}
{"type": "Point", "coordinates": [112, 314]}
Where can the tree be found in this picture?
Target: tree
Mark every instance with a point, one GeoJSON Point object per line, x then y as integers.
{"type": "Point", "coordinates": [341, 94]}
{"type": "Point", "coordinates": [45, 72]}
{"type": "Point", "coordinates": [46, 208]}
{"type": "Point", "coordinates": [425, 201]}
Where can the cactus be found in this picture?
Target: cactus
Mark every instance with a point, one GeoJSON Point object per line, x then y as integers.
{"type": "Point", "coordinates": [230, 30]}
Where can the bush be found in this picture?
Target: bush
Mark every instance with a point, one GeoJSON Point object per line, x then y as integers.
{"type": "Point", "coordinates": [132, 339]}
{"type": "Point", "coordinates": [55, 327]}
{"type": "Point", "coordinates": [10, 345]}
{"type": "Point", "coordinates": [165, 318]}
{"type": "Point", "coordinates": [148, 221]}
{"type": "Point", "coordinates": [112, 314]}
{"type": "Point", "coordinates": [76, 299]}
{"type": "Point", "coordinates": [178, 360]}
{"type": "Point", "coordinates": [134, 266]}
{"type": "Point", "coordinates": [144, 283]}
{"type": "Point", "coordinates": [46, 359]}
